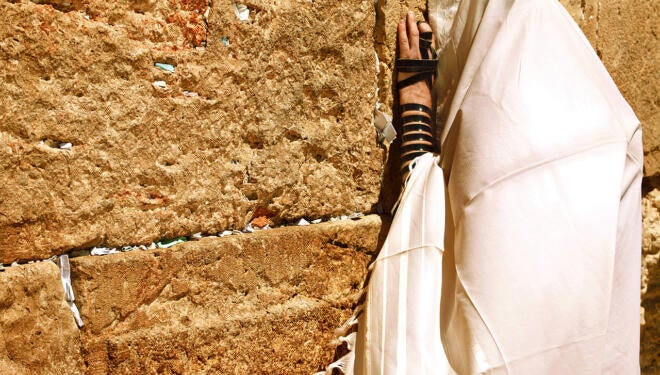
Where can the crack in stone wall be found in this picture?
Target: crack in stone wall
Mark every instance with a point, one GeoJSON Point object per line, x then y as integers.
{"type": "Point", "coordinates": [168, 243]}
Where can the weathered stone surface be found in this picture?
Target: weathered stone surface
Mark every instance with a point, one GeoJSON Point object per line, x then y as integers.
{"type": "Point", "coordinates": [289, 340]}
{"type": "Point", "coordinates": [37, 332]}
{"type": "Point", "coordinates": [282, 119]}
{"type": "Point", "coordinates": [650, 345]}
{"type": "Point", "coordinates": [263, 303]}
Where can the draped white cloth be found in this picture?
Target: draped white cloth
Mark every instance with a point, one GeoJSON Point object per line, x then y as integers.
{"type": "Point", "coordinates": [539, 268]}
{"type": "Point", "coordinates": [399, 329]}
{"type": "Point", "coordinates": [544, 163]}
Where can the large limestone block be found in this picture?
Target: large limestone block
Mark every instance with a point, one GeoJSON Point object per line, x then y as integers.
{"type": "Point", "coordinates": [37, 332]}
{"type": "Point", "coordinates": [292, 339]}
{"type": "Point", "coordinates": [261, 303]}
{"type": "Point", "coordinates": [274, 113]}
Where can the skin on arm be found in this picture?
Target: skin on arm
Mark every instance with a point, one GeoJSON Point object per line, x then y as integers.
{"type": "Point", "coordinates": [408, 43]}
{"type": "Point", "coordinates": [417, 124]}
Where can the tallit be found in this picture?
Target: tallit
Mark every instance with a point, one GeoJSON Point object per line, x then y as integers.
{"type": "Point", "coordinates": [540, 258]}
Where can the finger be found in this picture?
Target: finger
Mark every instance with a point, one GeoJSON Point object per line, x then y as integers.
{"type": "Point", "coordinates": [403, 39]}
{"type": "Point", "coordinates": [426, 28]}
{"type": "Point", "coordinates": [413, 33]}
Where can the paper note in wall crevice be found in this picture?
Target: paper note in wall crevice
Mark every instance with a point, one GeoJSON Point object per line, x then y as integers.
{"type": "Point", "coordinates": [383, 124]}
{"type": "Point", "coordinates": [65, 276]}
{"type": "Point", "coordinates": [242, 11]}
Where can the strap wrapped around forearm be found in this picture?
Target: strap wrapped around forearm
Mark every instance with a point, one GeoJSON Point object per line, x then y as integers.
{"type": "Point", "coordinates": [416, 107]}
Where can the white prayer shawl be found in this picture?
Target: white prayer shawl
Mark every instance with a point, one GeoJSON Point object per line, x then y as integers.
{"type": "Point", "coordinates": [541, 264]}
{"type": "Point", "coordinates": [544, 163]}
{"type": "Point", "coordinates": [399, 329]}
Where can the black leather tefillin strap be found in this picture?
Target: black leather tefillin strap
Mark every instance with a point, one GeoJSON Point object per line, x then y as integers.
{"type": "Point", "coordinates": [417, 136]}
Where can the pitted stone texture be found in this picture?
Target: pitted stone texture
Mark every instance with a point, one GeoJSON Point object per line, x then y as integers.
{"type": "Point", "coordinates": [37, 332]}
{"type": "Point", "coordinates": [171, 22]}
{"type": "Point", "coordinates": [263, 303]}
{"type": "Point", "coordinates": [650, 345]}
{"type": "Point", "coordinates": [276, 342]}
{"type": "Point", "coordinates": [281, 119]}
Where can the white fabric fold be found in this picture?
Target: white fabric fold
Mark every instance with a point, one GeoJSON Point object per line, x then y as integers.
{"type": "Point", "coordinates": [543, 158]}
{"type": "Point", "coordinates": [399, 331]}
{"type": "Point", "coordinates": [527, 261]}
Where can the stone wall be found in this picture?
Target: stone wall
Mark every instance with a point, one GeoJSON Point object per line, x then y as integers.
{"type": "Point", "coordinates": [269, 115]}
{"type": "Point", "coordinates": [264, 121]}
{"type": "Point", "coordinates": [260, 303]}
